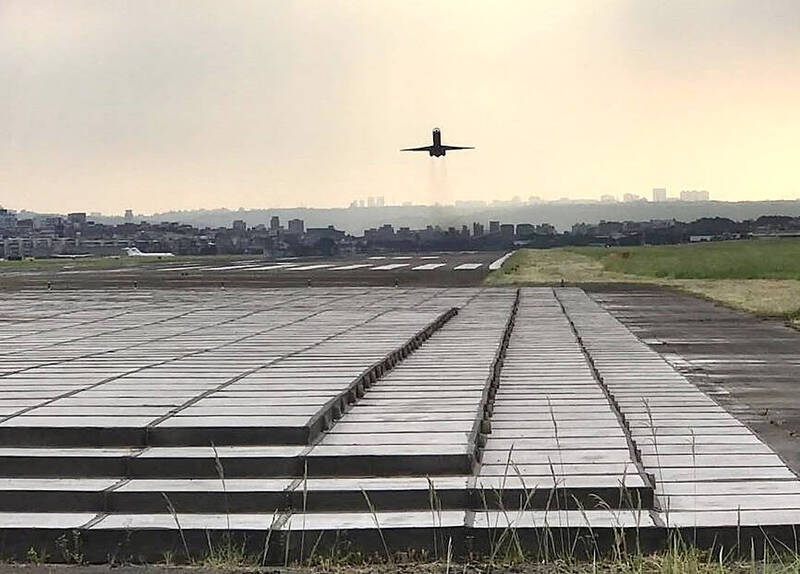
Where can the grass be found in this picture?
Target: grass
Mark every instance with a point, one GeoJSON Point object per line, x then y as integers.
{"type": "Point", "coordinates": [759, 276]}
{"type": "Point", "coordinates": [753, 259]}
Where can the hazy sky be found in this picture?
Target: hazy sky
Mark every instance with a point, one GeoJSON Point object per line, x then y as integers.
{"type": "Point", "coordinates": [157, 105]}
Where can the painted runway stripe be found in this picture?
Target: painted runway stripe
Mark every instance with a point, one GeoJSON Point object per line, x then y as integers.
{"type": "Point", "coordinates": [430, 257]}
{"type": "Point", "coordinates": [378, 257]}
{"type": "Point", "coordinates": [465, 266]}
{"type": "Point", "coordinates": [310, 267]}
{"type": "Point", "coordinates": [184, 268]}
{"type": "Point", "coordinates": [356, 266]}
{"type": "Point", "coordinates": [390, 267]}
{"type": "Point", "coordinates": [429, 266]}
{"type": "Point", "coordinates": [402, 257]}
{"type": "Point", "coordinates": [494, 265]}
{"type": "Point", "coordinates": [276, 266]}
{"type": "Point", "coordinates": [229, 267]}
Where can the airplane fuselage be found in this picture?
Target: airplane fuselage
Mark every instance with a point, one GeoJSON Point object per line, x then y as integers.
{"type": "Point", "coordinates": [436, 149]}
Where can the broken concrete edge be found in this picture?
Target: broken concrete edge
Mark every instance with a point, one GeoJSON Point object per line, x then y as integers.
{"type": "Point", "coordinates": [332, 410]}
{"type": "Point", "coordinates": [134, 436]}
{"type": "Point", "coordinates": [483, 425]}
{"type": "Point", "coordinates": [296, 496]}
{"type": "Point", "coordinates": [633, 448]}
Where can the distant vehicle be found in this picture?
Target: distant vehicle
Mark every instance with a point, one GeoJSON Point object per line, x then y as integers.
{"type": "Point", "coordinates": [437, 149]}
{"type": "Point", "coordinates": [134, 252]}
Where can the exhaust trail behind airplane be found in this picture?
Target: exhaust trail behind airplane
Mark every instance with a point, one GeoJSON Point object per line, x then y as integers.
{"type": "Point", "coordinates": [437, 149]}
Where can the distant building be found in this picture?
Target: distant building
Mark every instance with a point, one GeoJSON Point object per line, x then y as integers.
{"type": "Point", "coordinates": [632, 197]}
{"type": "Point", "coordinates": [240, 226]}
{"type": "Point", "coordinates": [274, 223]}
{"type": "Point", "coordinates": [659, 194]}
{"type": "Point", "coordinates": [78, 218]}
{"type": "Point", "coordinates": [525, 229]}
{"type": "Point", "coordinates": [507, 230]}
{"type": "Point", "coordinates": [380, 201]}
{"type": "Point", "coordinates": [370, 201]}
{"type": "Point", "coordinates": [494, 227]}
{"type": "Point", "coordinates": [608, 198]}
{"type": "Point", "coordinates": [694, 195]}
{"type": "Point", "coordinates": [297, 226]}
{"type": "Point", "coordinates": [330, 232]}
{"type": "Point", "coordinates": [477, 229]}
{"type": "Point", "coordinates": [8, 220]}
{"type": "Point", "coordinates": [128, 216]}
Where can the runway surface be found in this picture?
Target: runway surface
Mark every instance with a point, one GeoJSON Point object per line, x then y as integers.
{"type": "Point", "coordinates": [747, 364]}
{"type": "Point", "coordinates": [147, 420]}
{"type": "Point", "coordinates": [421, 269]}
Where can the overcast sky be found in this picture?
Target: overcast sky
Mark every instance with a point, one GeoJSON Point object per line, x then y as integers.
{"type": "Point", "coordinates": [157, 105]}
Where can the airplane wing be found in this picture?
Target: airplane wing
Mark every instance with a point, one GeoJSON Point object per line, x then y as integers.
{"type": "Point", "coordinates": [449, 147]}
{"type": "Point", "coordinates": [425, 148]}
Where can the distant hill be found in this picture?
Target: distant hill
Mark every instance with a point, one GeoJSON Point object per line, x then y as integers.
{"type": "Point", "coordinates": [561, 215]}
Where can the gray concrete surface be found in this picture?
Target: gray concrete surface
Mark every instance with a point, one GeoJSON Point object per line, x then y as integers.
{"type": "Point", "coordinates": [747, 364]}
{"type": "Point", "coordinates": [516, 411]}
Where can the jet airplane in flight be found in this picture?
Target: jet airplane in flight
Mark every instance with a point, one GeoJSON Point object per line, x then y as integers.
{"type": "Point", "coordinates": [437, 149]}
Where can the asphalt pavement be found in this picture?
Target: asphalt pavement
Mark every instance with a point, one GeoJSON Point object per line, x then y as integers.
{"type": "Point", "coordinates": [747, 364]}
{"type": "Point", "coordinates": [442, 269]}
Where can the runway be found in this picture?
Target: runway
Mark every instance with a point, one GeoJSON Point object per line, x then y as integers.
{"type": "Point", "coordinates": [148, 420]}
{"type": "Point", "coordinates": [411, 269]}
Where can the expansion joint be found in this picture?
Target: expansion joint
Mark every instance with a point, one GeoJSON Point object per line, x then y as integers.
{"type": "Point", "coordinates": [633, 448]}
{"type": "Point", "coordinates": [493, 382]}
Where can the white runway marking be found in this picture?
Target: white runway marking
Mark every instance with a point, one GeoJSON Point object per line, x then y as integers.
{"type": "Point", "coordinates": [184, 268]}
{"type": "Point", "coordinates": [494, 265]}
{"type": "Point", "coordinates": [464, 266]}
{"type": "Point", "coordinates": [390, 267]}
{"type": "Point", "coordinates": [276, 266]}
{"type": "Point", "coordinates": [430, 257]}
{"type": "Point", "coordinates": [378, 257]}
{"type": "Point", "coordinates": [429, 266]}
{"type": "Point", "coordinates": [228, 267]}
{"type": "Point", "coordinates": [356, 266]}
{"type": "Point", "coordinates": [309, 267]}
{"type": "Point", "coordinates": [400, 257]}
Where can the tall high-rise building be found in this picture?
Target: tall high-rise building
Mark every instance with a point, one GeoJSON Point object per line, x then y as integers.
{"type": "Point", "coordinates": [370, 201]}
{"type": "Point", "coordinates": [380, 201]}
{"type": "Point", "coordinates": [477, 229]}
{"type": "Point", "coordinates": [128, 216]}
{"type": "Point", "coordinates": [297, 226]}
{"type": "Point", "coordinates": [494, 227]}
{"type": "Point", "coordinates": [659, 194]}
{"type": "Point", "coordinates": [274, 223]}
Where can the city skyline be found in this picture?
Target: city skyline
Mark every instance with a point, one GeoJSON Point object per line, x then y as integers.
{"type": "Point", "coordinates": [151, 107]}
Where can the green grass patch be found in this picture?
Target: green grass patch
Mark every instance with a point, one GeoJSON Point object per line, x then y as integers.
{"type": "Point", "coordinates": [751, 259]}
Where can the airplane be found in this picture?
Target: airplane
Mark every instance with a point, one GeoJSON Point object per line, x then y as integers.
{"type": "Point", "coordinates": [437, 149]}
{"type": "Point", "coordinates": [134, 252]}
